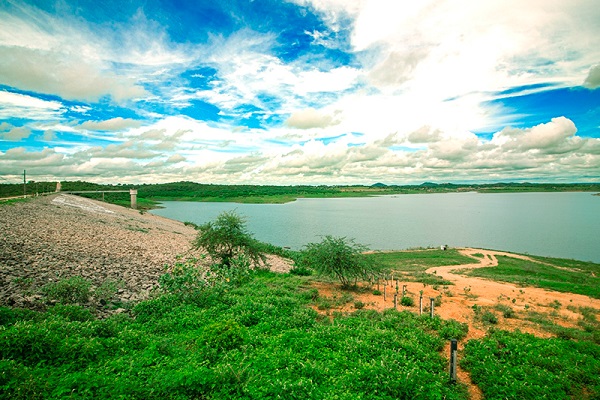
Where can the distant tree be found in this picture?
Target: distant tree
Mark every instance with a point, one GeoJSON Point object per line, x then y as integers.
{"type": "Point", "coordinates": [226, 238]}
{"type": "Point", "coordinates": [340, 258]}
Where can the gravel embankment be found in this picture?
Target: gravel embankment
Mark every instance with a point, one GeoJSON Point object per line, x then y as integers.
{"type": "Point", "coordinates": [58, 236]}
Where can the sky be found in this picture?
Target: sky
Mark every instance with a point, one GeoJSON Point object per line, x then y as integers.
{"type": "Point", "coordinates": [333, 92]}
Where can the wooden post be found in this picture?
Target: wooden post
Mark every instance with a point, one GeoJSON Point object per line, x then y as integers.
{"type": "Point", "coordinates": [395, 300]}
{"type": "Point", "coordinates": [453, 349]}
{"type": "Point", "coordinates": [421, 304]}
{"type": "Point", "coordinates": [403, 290]}
{"type": "Point", "coordinates": [377, 283]}
{"type": "Point", "coordinates": [432, 304]}
{"type": "Point", "coordinates": [384, 292]}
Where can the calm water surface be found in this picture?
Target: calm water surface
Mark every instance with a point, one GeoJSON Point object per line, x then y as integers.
{"type": "Point", "coordinates": [548, 224]}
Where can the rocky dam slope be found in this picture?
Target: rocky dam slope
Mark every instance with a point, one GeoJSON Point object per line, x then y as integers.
{"type": "Point", "coordinates": [47, 239]}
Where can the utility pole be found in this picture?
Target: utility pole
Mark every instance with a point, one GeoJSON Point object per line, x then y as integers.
{"type": "Point", "coordinates": [24, 184]}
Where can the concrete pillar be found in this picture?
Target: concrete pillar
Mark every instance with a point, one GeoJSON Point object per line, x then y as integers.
{"type": "Point", "coordinates": [133, 193]}
{"type": "Point", "coordinates": [57, 187]}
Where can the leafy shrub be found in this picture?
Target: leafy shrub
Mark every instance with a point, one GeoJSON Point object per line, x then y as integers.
{"type": "Point", "coordinates": [407, 301]}
{"type": "Point", "coordinates": [106, 291]}
{"type": "Point", "coordinates": [9, 316]}
{"type": "Point", "coordinates": [68, 291]}
{"type": "Point", "coordinates": [71, 312]}
{"type": "Point", "coordinates": [489, 317]}
{"type": "Point", "coordinates": [507, 311]}
{"type": "Point", "coordinates": [224, 335]}
{"type": "Point", "coordinates": [377, 292]}
{"type": "Point", "coordinates": [340, 258]}
{"type": "Point", "coordinates": [452, 329]}
{"type": "Point", "coordinates": [359, 305]}
{"type": "Point", "coordinates": [227, 238]}
{"type": "Point", "coordinates": [301, 271]}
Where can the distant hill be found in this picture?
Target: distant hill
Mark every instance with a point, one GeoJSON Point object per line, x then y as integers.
{"type": "Point", "coordinates": [378, 185]}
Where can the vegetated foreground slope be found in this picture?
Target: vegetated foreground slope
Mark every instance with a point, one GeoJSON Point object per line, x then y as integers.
{"type": "Point", "coordinates": [277, 336]}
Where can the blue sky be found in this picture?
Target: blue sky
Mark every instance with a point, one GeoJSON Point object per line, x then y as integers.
{"type": "Point", "coordinates": [300, 91]}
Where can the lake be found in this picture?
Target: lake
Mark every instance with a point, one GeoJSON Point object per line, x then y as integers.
{"type": "Point", "coordinates": [563, 225]}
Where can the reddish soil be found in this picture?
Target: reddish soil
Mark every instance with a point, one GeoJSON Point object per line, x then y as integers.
{"type": "Point", "coordinates": [458, 300]}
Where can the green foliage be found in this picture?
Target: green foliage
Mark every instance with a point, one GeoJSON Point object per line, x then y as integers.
{"type": "Point", "coordinates": [227, 237]}
{"type": "Point", "coordinates": [71, 312]}
{"type": "Point", "coordinates": [73, 290]}
{"type": "Point", "coordinates": [339, 258]}
{"type": "Point", "coordinates": [359, 305]}
{"type": "Point", "coordinates": [507, 311]}
{"type": "Point", "coordinates": [301, 271]}
{"type": "Point", "coordinates": [520, 366]}
{"type": "Point", "coordinates": [412, 264]}
{"type": "Point", "coordinates": [550, 273]}
{"type": "Point", "coordinates": [257, 340]}
{"type": "Point", "coordinates": [106, 291]}
{"type": "Point", "coordinates": [407, 301]}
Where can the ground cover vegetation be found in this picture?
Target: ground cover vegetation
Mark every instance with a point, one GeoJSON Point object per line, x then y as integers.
{"type": "Point", "coordinates": [515, 365]}
{"type": "Point", "coordinates": [228, 330]}
{"type": "Point", "coordinates": [411, 265]}
{"type": "Point", "coordinates": [223, 338]}
{"type": "Point", "coordinates": [550, 273]}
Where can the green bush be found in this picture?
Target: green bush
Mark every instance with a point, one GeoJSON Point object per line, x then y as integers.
{"type": "Point", "coordinates": [106, 291]}
{"type": "Point", "coordinates": [489, 317]}
{"type": "Point", "coordinates": [73, 290]}
{"type": "Point", "coordinates": [71, 312]}
{"type": "Point", "coordinates": [407, 301]}
{"type": "Point", "coordinates": [514, 365]}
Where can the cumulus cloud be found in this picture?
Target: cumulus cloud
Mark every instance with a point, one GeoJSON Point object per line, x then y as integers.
{"type": "Point", "coordinates": [16, 134]}
{"type": "Point", "coordinates": [25, 106]}
{"type": "Point", "coordinates": [53, 72]}
{"type": "Point", "coordinates": [113, 124]}
{"type": "Point", "coordinates": [309, 118]}
{"type": "Point", "coordinates": [593, 79]}
{"type": "Point", "coordinates": [547, 137]}
{"type": "Point", "coordinates": [175, 158]}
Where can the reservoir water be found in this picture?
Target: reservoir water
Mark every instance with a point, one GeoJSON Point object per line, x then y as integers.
{"type": "Point", "coordinates": [563, 225]}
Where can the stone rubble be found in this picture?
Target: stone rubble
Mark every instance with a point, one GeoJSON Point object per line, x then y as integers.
{"type": "Point", "coordinates": [55, 237]}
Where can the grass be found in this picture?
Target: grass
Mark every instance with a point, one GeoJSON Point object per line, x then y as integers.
{"type": "Point", "coordinates": [413, 264]}
{"type": "Point", "coordinates": [515, 365]}
{"type": "Point", "coordinates": [254, 341]}
{"type": "Point", "coordinates": [561, 275]}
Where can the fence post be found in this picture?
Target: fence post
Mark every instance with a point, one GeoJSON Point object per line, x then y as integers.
{"type": "Point", "coordinates": [384, 292]}
{"type": "Point", "coordinates": [403, 290]}
{"type": "Point", "coordinates": [453, 349]}
{"type": "Point", "coordinates": [421, 304]}
{"type": "Point", "coordinates": [432, 304]}
{"type": "Point", "coordinates": [395, 300]}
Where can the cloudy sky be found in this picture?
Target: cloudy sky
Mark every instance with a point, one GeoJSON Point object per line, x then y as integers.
{"type": "Point", "coordinates": [300, 91]}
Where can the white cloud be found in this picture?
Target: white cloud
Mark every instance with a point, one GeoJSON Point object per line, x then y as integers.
{"type": "Point", "coordinates": [175, 158]}
{"type": "Point", "coordinates": [546, 136]}
{"type": "Point", "coordinates": [592, 81]}
{"type": "Point", "coordinates": [310, 118]}
{"type": "Point", "coordinates": [24, 106]}
{"type": "Point", "coordinates": [113, 124]}
{"type": "Point", "coordinates": [15, 134]}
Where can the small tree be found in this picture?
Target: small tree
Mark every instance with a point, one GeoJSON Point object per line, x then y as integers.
{"type": "Point", "coordinates": [338, 257]}
{"type": "Point", "coordinates": [227, 237]}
